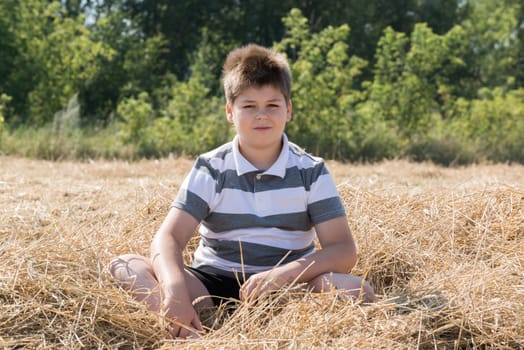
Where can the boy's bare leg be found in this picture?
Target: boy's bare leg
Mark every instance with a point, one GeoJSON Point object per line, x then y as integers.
{"type": "Point", "coordinates": [135, 274]}
{"type": "Point", "coordinates": [355, 286]}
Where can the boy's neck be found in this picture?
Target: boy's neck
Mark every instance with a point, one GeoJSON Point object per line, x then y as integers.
{"type": "Point", "coordinates": [261, 158]}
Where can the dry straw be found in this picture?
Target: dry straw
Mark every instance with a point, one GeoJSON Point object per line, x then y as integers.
{"type": "Point", "coordinates": [442, 247]}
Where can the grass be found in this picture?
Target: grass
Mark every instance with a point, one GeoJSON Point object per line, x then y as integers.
{"type": "Point", "coordinates": [78, 144]}
{"type": "Point", "coordinates": [442, 247]}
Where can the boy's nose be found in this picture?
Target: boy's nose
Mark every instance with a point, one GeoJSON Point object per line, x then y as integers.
{"type": "Point", "coordinates": [261, 113]}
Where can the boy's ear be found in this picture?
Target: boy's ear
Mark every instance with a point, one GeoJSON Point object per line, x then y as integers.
{"type": "Point", "coordinates": [229, 113]}
{"type": "Point", "coordinates": [289, 111]}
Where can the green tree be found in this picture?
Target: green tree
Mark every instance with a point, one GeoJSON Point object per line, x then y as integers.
{"type": "Point", "coordinates": [137, 114]}
{"type": "Point", "coordinates": [494, 123]}
{"type": "Point", "coordinates": [413, 77]}
{"type": "Point", "coordinates": [518, 68]}
{"type": "Point", "coordinates": [136, 65]}
{"type": "Point", "coordinates": [189, 120]}
{"type": "Point", "coordinates": [4, 100]}
{"type": "Point", "coordinates": [57, 55]}
{"type": "Point", "coordinates": [492, 29]}
{"type": "Point", "coordinates": [8, 49]}
{"type": "Point", "coordinates": [324, 89]}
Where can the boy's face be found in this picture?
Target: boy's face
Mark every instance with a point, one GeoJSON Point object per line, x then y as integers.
{"type": "Point", "coordinates": [260, 115]}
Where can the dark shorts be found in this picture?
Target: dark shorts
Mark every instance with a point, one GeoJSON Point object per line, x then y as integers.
{"type": "Point", "coordinates": [221, 288]}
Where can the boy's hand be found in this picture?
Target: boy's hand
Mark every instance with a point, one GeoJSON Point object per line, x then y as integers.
{"type": "Point", "coordinates": [262, 283]}
{"type": "Point", "coordinates": [182, 319]}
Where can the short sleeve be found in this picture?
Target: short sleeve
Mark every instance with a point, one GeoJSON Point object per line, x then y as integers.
{"type": "Point", "coordinates": [324, 200]}
{"type": "Point", "coordinates": [197, 191]}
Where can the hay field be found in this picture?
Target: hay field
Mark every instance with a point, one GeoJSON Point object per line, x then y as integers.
{"type": "Point", "coordinates": [442, 247]}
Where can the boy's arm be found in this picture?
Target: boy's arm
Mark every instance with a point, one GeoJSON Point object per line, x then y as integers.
{"type": "Point", "coordinates": [167, 260]}
{"type": "Point", "coordinates": [338, 254]}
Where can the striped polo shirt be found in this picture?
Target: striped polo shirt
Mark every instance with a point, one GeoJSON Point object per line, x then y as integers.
{"type": "Point", "coordinates": [253, 220]}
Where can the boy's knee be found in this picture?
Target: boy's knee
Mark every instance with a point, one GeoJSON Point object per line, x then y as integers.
{"type": "Point", "coordinates": [116, 263]}
{"type": "Point", "coordinates": [122, 267]}
{"type": "Point", "coordinates": [322, 283]}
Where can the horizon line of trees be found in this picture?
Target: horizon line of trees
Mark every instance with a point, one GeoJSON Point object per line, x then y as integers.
{"type": "Point", "coordinates": [426, 79]}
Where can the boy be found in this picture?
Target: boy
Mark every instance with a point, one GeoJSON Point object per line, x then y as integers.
{"type": "Point", "coordinates": [259, 200]}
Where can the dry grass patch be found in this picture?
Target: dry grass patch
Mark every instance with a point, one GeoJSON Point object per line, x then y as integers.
{"type": "Point", "coordinates": [442, 247]}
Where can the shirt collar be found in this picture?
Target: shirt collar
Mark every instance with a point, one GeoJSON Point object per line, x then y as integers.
{"type": "Point", "coordinates": [278, 168]}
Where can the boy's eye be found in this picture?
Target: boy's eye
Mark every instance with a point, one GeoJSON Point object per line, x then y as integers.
{"type": "Point", "coordinates": [248, 106]}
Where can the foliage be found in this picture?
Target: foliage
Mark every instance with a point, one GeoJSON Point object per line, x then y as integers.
{"type": "Point", "coordinates": [427, 80]}
{"type": "Point", "coordinates": [59, 54]}
{"type": "Point", "coordinates": [67, 120]}
{"type": "Point", "coordinates": [410, 75]}
{"type": "Point", "coordinates": [190, 121]}
{"type": "Point", "coordinates": [4, 100]}
{"type": "Point", "coordinates": [136, 66]}
{"type": "Point", "coordinates": [324, 90]}
{"type": "Point", "coordinates": [491, 30]}
{"type": "Point", "coordinates": [81, 144]}
{"type": "Point", "coordinates": [195, 121]}
{"type": "Point", "coordinates": [495, 123]}
{"type": "Point", "coordinates": [137, 115]}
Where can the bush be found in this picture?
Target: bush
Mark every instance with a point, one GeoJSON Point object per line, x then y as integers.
{"type": "Point", "coordinates": [496, 122]}
{"type": "Point", "coordinates": [325, 91]}
{"type": "Point", "coordinates": [4, 100]}
{"type": "Point", "coordinates": [83, 143]}
{"type": "Point", "coordinates": [447, 151]}
{"type": "Point", "coordinates": [136, 114]}
{"type": "Point", "coordinates": [492, 124]}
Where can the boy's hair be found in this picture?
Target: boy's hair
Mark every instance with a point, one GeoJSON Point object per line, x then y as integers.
{"type": "Point", "coordinates": [254, 65]}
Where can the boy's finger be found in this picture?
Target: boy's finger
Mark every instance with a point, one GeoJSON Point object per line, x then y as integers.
{"type": "Point", "coordinates": [242, 294]}
{"type": "Point", "coordinates": [183, 333]}
{"type": "Point", "coordinates": [197, 324]}
{"type": "Point", "coordinates": [245, 293]}
{"type": "Point", "coordinates": [194, 335]}
{"type": "Point", "coordinates": [173, 329]}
